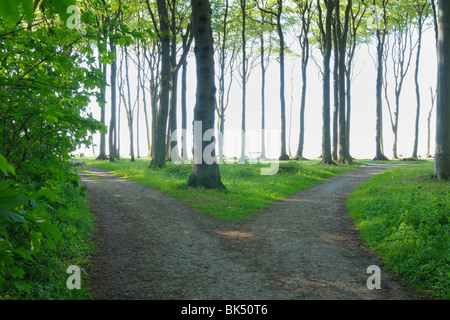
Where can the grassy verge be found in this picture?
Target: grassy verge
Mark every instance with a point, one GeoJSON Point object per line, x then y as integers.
{"type": "Point", "coordinates": [403, 214]}
{"type": "Point", "coordinates": [247, 190]}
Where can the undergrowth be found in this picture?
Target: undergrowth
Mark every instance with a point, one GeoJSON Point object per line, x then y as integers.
{"type": "Point", "coordinates": [403, 214]}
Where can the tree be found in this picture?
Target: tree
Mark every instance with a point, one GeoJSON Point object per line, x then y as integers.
{"type": "Point", "coordinates": [179, 25]}
{"type": "Point", "coordinates": [163, 32]}
{"type": "Point", "coordinates": [442, 154]}
{"type": "Point", "coordinates": [356, 36]}
{"type": "Point", "coordinates": [381, 34]}
{"type": "Point", "coordinates": [422, 8]}
{"type": "Point", "coordinates": [277, 13]}
{"type": "Point", "coordinates": [325, 28]}
{"type": "Point", "coordinates": [304, 11]}
{"type": "Point", "coordinates": [205, 172]}
{"type": "Point", "coordinates": [342, 35]}
{"type": "Point", "coordinates": [401, 54]}
{"type": "Point", "coordinates": [224, 33]}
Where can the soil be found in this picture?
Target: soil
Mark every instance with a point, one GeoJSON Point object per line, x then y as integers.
{"type": "Point", "coordinates": [154, 247]}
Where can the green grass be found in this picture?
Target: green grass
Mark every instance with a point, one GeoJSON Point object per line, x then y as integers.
{"type": "Point", "coordinates": [247, 191]}
{"type": "Point", "coordinates": [403, 214]}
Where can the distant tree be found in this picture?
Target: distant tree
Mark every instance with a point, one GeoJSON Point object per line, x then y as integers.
{"type": "Point", "coordinates": [401, 54]}
{"type": "Point", "coordinates": [325, 27]}
{"type": "Point", "coordinates": [381, 33]}
{"type": "Point", "coordinates": [277, 12]}
{"type": "Point", "coordinates": [422, 10]}
{"type": "Point", "coordinates": [304, 11]}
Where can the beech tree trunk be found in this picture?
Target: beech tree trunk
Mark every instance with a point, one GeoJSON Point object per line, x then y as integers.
{"type": "Point", "coordinates": [159, 156]}
{"type": "Point", "coordinates": [326, 32]}
{"type": "Point", "coordinates": [205, 171]}
{"type": "Point", "coordinates": [442, 155]}
{"type": "Point", "coordinates": [112, 123]}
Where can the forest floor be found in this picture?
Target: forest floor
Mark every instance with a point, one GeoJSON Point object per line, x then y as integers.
{"type": "Point", "coordinates": [151, 246]}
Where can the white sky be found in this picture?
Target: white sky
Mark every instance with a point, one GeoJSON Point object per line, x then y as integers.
{"type": "Point", "coordinates": [363, 108]}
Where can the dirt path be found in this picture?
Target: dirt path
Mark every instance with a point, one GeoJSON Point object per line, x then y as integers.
{"type": "Point", "coordinates": [151, 246]}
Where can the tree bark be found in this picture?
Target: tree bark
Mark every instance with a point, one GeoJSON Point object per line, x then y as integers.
{"type": "Point", "coordinates": [205, 173]}
{"type": "Point", "coordinates": [326, 32]}
{"type": "Point", "coordinates": [244, 81]}
{"type": "Point", "coordinates": [284, 155]}
{"type": "Point", "coordinates": [159, 157]}
{"type": "Point", "coordinates": [381, 38]}
{"type": "Point", "coordinates": [112, 123]}
{"type": "Point", "coordinates": [442, 154]}
{"type": "Point", "coordinates": [342, 34]}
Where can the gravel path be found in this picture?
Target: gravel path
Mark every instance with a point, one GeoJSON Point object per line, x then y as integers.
{"type": "Point", "coordinates": [152, 246]}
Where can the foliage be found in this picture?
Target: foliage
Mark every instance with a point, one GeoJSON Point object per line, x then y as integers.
{"type": "Point", "coordinates": [247, 190]}
{"type": "Point", "coordinates": [46, 83]}
{"type": "Point", "coordinates": [404, 215]}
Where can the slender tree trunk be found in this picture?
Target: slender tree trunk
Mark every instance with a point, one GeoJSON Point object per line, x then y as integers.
{"type": "Point", "coordinates": [327, 47]}
{"type": "Point", "coordinates": [416, 80]}
{"type": "Point", "coordinates": [102, 155]}
{"type": "Point", "coordinates": [183, 151]}
{"type": "Point", "coordinates": [205, 171]}
{"type": "Point", "coordinates": [442, 154]}
{"type": "Point", "coordinates": [159, 157]}
{"type": "Point", "coordinates": [284, 155]}
{"type": "Point", "coordinates": [263, 100]}
{"type": "Point", "coordinates": [221, 106]}
{"type": "Point", "coordinates": [112, 124]}
{"type": "Point", "coordinates": [244, 81]}
{"type": "Point", "coordinates": [342, 35]}
{"type": "Point", "coordinates": [144, 102]}
{"type": "Point", "coordinates": [422, 9]}
{"type": "Point", "coordinates": [433, 100]}
{"type": "Point", "coordinates": [129, 110]}
{"type": "Point", "coordinates": [335, 131]}
{"type": "Point", "coordinates": [381, 36]}
{"type": "Point", "coordinates": [305, 9]}
{"type": "Point", "coordinates": [138, 99]}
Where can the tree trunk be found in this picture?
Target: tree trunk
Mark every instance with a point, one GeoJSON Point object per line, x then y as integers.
{"type": "Point", "coordinates": [381, 36]}
{"type": "Point", "coordinates": [159, 157]}
{"type": "Point", "coordinates": [421, 11]}
{"type": "Point", "coordinates": [284, 155]}
{"type": "Point", "coordinates": [305, 9]}
{"type": "Point", "coordinates": [416, 80]}
{"type": "Point", "coordinates": [335, 132]}
{"type": "Point", "coordinates": [442, 155]}
{"type": "Point", "coordinates": [183, 151]}
{"type": "Point", "coordinates": [205, 172]}
{"type": "Point", "coordinates": [112, 124]}
{"type": "Point", "coordinates": [327, 46]}
{"type": "Point", "coordinates": [263, 100]}
{"type": "Point", "coordinates": [433, 100]}
{"type": "Point", "coordinates": [130, 108]}
{"type": "Point", "coordinates": [244, 82]}
{"type": "Point", "coordinates": [102, 155]}
{"type": "Point", "coordinates": [342, 35]}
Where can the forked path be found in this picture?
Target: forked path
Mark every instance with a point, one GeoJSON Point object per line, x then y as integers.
{"type": "Point", "coordinates": [152, 246]}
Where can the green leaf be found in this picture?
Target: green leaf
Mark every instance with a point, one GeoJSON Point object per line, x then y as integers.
{"type": "Point", "coordinates": [5, 166]}
{"type": "Point", "coordinates": [17, 273]}
{"type": "Point", "coordinates": [11, 199]}
{"type": "Point", "coordinates": [23, 286]}
{"type": "Point", "coordinates": [21, 251]}
{"type": "Point", "coordinates": [8, 217]}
